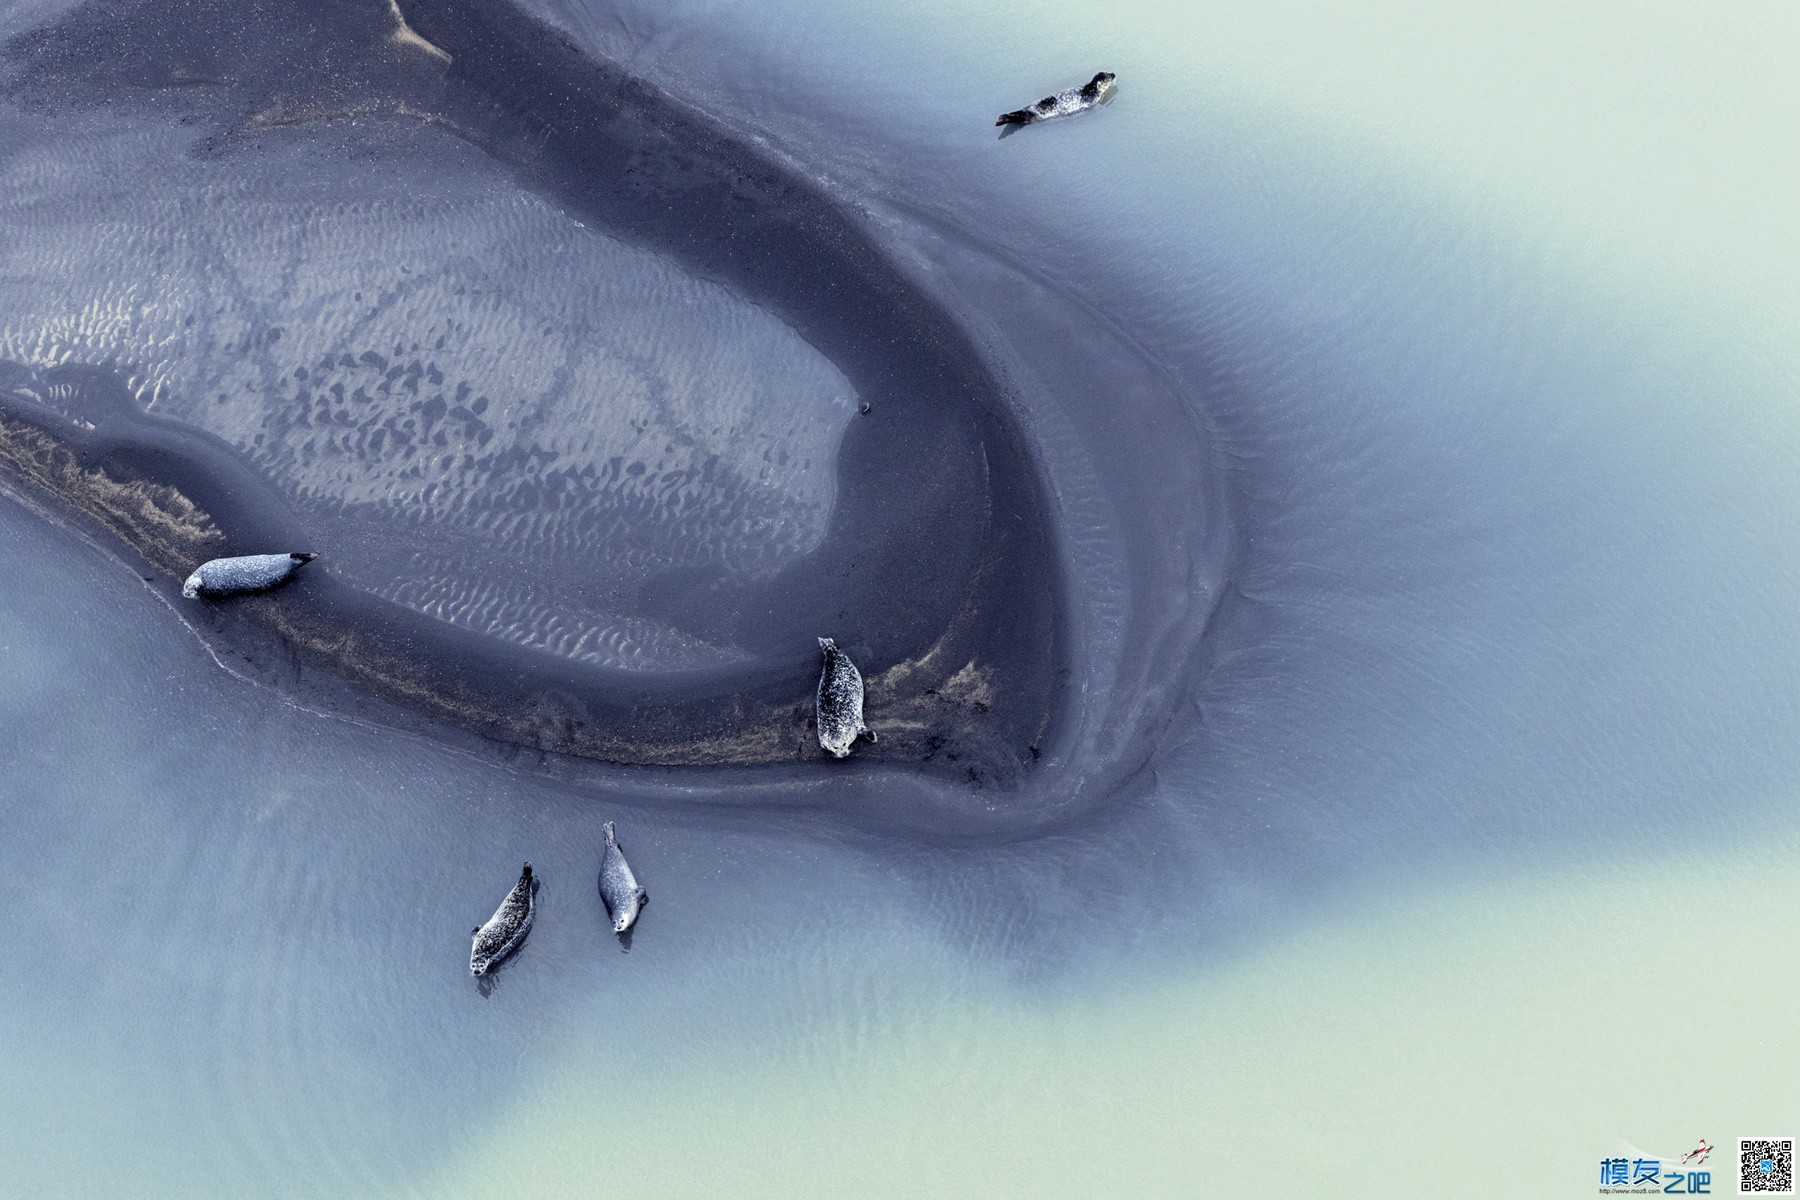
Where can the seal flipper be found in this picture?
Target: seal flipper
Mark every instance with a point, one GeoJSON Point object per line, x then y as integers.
{"type": "Point", "coordinates": [1022, 116]}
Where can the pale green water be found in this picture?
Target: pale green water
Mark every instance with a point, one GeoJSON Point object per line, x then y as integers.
{"type": "Point", "coordinates": [1491, 1037]}
{"type": "Point", "coordinates": [1649, 146]}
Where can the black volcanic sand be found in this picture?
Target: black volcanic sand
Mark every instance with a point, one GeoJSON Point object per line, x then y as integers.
{"type": "Point", "coordinates": [938, 571]}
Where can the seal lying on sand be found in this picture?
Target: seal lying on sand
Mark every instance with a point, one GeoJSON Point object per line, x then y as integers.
{"type": "Point", "coordinates": [618, 886]}
{"type": "Point", "coordinates": [246, 573]}
{"type": "Point", "coordinates": [840, 702]}
{"type": "Point", "coordinates": [1064, 103]}
{"type": "Point", "coordinates": [505, 931]}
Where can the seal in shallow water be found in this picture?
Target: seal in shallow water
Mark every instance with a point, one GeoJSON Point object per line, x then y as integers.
{"type": "Point", "coordinates": [840, 702]}
{"type": "Point", "coordinates": [223, 577]}
{"type": "Point", "coordinates": [505, 931]}
{"type": "Point", "coordinates": [618, 886]}
{"type": "Point", "coordinates": [1064, 103]}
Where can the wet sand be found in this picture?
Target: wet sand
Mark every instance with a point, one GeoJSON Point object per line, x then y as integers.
{"type": "Point", "coordinates": [938, 571]}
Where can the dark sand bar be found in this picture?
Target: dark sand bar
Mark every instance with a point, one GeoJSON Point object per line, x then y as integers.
{"type": "Point", "coordinates": [938, 571]}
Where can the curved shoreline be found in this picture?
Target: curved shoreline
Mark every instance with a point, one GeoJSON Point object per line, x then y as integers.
{"type": "Point", "coordinates": [939, 562]}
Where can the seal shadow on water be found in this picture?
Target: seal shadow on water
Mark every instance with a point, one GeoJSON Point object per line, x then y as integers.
{"type": "Point", "coordinates": [955, 591]}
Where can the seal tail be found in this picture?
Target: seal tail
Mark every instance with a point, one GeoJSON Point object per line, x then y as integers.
{"type": "Point", "coordinates": [606, 831]}
{"type": "Point", "coordinates": [827, 645]}
{"type": "Point", "coordinates": [302, 558]}
{"type": "Point", "coordinates": [1020, 116]}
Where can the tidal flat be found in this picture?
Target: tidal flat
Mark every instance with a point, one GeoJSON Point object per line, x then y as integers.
{"type": "Point", "coordinates": [1327, 578]}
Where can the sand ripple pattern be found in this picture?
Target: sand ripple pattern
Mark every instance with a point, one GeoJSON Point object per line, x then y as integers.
{"type": "Point", "coordinates": [484, 410]}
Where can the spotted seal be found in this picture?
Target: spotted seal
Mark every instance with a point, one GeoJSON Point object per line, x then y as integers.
{"type": "Point", "coordinates": [1065, 103]}
{"type": "Point", "coordinates": [505, 931]}
{"type": "Point", "coordinates": [619, 888]}
{"type": "Point", "coordinates": [221, 577]}
{"type": "Point", "coordinates": [840, 702]}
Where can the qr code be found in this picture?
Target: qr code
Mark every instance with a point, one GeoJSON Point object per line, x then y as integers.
{"type": "Point", "coordinates": [1765, 1166]}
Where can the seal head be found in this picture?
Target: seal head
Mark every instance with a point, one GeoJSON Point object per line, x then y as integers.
{"type": "Point", "coordinates": [620, 891]}
{"type": "Point", "coordinates": [221, 577]}
{"type": "Point", "coordinates": [505, 931]}
{"type": "Point", "coordinates": [840, 702]}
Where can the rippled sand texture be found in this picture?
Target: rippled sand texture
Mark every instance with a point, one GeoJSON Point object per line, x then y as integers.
{"type": "Point", "coordinates": [493, 415]}
{"type": "Point", "coordinates": [931, 553]}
